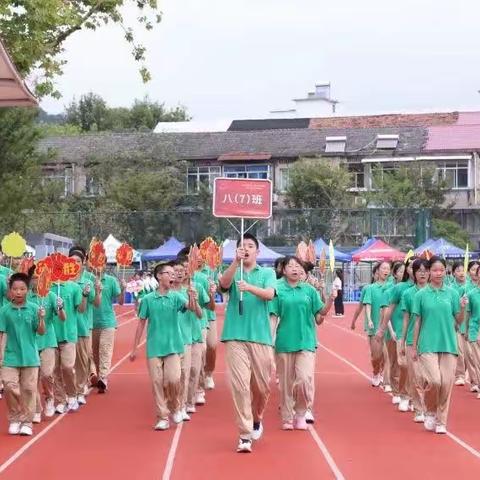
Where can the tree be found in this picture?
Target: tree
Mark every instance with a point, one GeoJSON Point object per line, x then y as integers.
{"type": "Point", "coordinates": [322, 185]}
{"type": "Point", "coordinates": [451, 231]}
{"type": "Point", "coordinates": [89, 114]}
{"type": "Point", "coordinates": [34, 32]}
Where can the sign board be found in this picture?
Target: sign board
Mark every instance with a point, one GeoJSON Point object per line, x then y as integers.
{"type": "Point", "coordinates": [242, 198]}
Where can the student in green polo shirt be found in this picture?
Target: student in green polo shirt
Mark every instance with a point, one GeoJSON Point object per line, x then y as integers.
{"type": "Point", "coordinates": [421, 274]}
{"type": "Point", "coordinates": [438, 310]}
{"type": "Point", "coordinates": [461, 283]}
{"type": "Point", "coordinates": [93, 293]}
{"type": "Point", "coordinates": [104, 326]}
{"type": "Point", "coordinates": [360, 305]}
{"type": "Point", "coordinates": [248, 338]}
{"type": "Point", "coordinates": [21, 321]}
{"type": "Point", "coordinates": [392, 325]}
{"type": "Point", "coordinates": [47, 346]}
{"type": "Point", "coordinates": [472, 343]}
{"type": "Point", "coordinates": [375, 301]}
{"type": "Point", "coordinates": [299, 308]}
{"type": "Point", "coordinates": [165, 342]}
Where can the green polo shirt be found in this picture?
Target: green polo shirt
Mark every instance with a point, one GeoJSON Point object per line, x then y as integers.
{"type": "Point", "coordinates": [3, 290]}
{"type": "Point", "coordinates": [406, 304]}
{"type": "Point", "coordinates": [375, 295]}
{"type": "Point", "coordinates": [462, 289]}
{"type": "Point", "coordinates": [190, 324]}
{"type": "Point", "coordinates": [394, 298]}
{"type": "Point", "coordinates": [5, 271]}
{"type": "Point", "coordinates": [213, 276]}
{"type": "Point", "coordinates": [437, 308]}
{"type": "Point", "coordinates": [20, 324]}
{"type": "Point", "coordinates": [85, 319]}
{"type": "Point", "coordinates": [254, 324]}
{"type": "Point", "coordinates": [200, 278]}
{"type": "Point", "coordinates": [474, 308]}
{"type": "Point", "coordinates": [49, 303]}
{"type": "Point", "coordinates": [104, 315]}
{"type": "Point", "coordinates": [71, 294]}
{"type": "Point", "coordinates": [164, 335]}
{"type": "Point", "coordinates": [296, 307]}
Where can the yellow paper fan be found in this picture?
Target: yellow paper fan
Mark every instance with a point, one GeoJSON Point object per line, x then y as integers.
{"type": "Point", "coordinates": [14, 245]}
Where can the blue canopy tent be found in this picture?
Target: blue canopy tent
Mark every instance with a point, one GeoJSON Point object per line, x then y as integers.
{"type": "Point", "coordinates": [444, 248]}
{"type": "Point", "coordinates": [266, 256]}
{"type": "Point", "coordinates": [167, 251]}
{"type": "Point", "coordinates": [427, 245]}
{"type": "Point", "coordinates": [365, 246]}
{"type": "Point", "coordinates": [339, 256]}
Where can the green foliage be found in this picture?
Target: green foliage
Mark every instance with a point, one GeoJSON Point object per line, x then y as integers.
{"type": "Point", "coordinates": [58, 130]}
{"type": "Point", "coordinates": [451, 231]}
{"type": "Point", "coordinates": [412, 186]}
{"type": "Point", "coordinates": [92, 114]}
{"type": "Point", "coordinates": [34, 32]}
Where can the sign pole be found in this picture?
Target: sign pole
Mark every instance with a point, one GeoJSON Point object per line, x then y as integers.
{"type": "Point", "coordinates": [242, 233]}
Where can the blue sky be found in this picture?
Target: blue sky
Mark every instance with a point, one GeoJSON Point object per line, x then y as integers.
{"type": "Point", "coordinates": [242, 58]}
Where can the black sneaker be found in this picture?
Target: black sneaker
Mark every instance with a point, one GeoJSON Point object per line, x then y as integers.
{"type": "Point", "coordinates": [102, 386]}
{"type": "Point", "coordinates": [244, 446]}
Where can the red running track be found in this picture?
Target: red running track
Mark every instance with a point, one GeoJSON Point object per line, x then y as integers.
{"type": "Point", "coordinates": [358, 434]}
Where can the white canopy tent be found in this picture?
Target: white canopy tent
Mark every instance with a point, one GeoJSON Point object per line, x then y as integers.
{"type": "Point", "coordinates": [111, 245]}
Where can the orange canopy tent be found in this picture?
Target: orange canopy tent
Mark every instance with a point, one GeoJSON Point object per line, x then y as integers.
{"type": "Point", "coordinates": [13, 91]}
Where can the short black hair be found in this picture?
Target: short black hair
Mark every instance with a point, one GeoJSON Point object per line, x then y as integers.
{"type": "Point", "coordinates": [19, 277]}
{"type": "Point", "coordinates": [184, 251]}
{"type": "Point", "coordinates": [472, 263]}
{"type": "Point", "coordinates": [417, 264]}
{"type": "Point", "coordinates": [289, 258]}
{"type": "Point", "coordinates": [78, 250]}
{"type": "Point", "coordinates": [455, 265]}
{"type": "Point", "coordinates": [249, 236]}
{"type": "Point", "coordinates": [159, 268]}
{"type": "Point", "coordinates": [436, 259]}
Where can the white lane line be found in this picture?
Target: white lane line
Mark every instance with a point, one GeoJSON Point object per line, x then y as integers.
{"type": "Point", "coordinates": [167, 472]}
{"type": "Point", "coordinates": [36, 438]}
{"type": "Point", "coordinates": [323, 448]}
{"type": "Point", "coordinates": [456, 439]}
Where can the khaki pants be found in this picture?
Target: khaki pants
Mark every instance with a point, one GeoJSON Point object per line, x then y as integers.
{"type": "Point", "coordinates": [165, 373]}
{"type": "Point", "coordinates": [249, 367]}
{"type": "Point", "coordinates": [460, 369]}
{"type": "Point", "coordinates": [46, 379]}
{"type": "Point", "coordinates": [185, 366]}
{"type": "Point", "coordinates": [415, 380]}
{"type": "Point", "coordinates": [394, 377]}
{"type": "Point", "coordinates": [377, 356]}
{"type": "Point", "coordinates": [295, 373]}
{"type": "Point", "coordinates": [3, 342]}
{"type": "Point", "coordinates": [403, 388]}
{"type": "Point", "coordinates": [438, 371]}
{"type": "Point", "coordinates": [82, 363]}
{"type": "Point", "coordinates": [201, 380]}
{"type": "Point", "coordinates": [65, 384]}
{"type": "Point", "coordinates": [194, 377]}
{"type": "Point", "coordinates": [20, 393]}
{"type": "Point", "coordinates": [103, 340]}
{"type": "Point", "coordinates": [211, 354]}
{"type": "Point", "coordinates": [472, 359]}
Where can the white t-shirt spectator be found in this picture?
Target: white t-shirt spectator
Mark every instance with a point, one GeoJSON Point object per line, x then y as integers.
{"type": "Point", "coordinates": [337, 284]}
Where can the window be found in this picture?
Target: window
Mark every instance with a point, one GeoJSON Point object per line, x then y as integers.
{"type": "Point", "coordinates": [284, 179]}
{"type": "Point", "coordinates": [92, 188]}
{"type": "Point", "coordinates": [335, 144]}
{"type": "Point", "coordinates": [455, 174]}
{"type": "Point", "coordinates": [387, 142]}
{"type": "Point", "coordinates": [62, 176]}
{"type": "Point", "coordinates": [247, 171]}
{"type": "Point", "coordinates": [197, 176]}
{"type": "Point", "coordinates": [358, 175]}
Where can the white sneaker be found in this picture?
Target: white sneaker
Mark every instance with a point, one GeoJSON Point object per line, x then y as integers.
{"type": "Point", "coordinates": [185, 416]}
{"type": "Point", "coordinates": [459, 382]}
{"type": "Point", "coordinates": [49, 408]}
{"type": "Point", "coordinates": [244, 446]}
{"type": "Point", "coordinates": [209, 383]}
{"type": "Point", "coordinates": [478, 396]}
{"type": "Point", "coordinates": [162, 425]}
{"type": "Point", "coordinates": [309, 418]}
{"type": "Point", "coordinates": [441, 429]}
{"type": "Point", "coordinates": [26, 430]}
{"type": "Point", "coordinates": [191, 409]}
{"type": "Point", "coordinates": [475, 389]}
{"type": "Point", "coordinates": [258, 431]}
{"type": "Point", "coordinates": [200, 398]}
{"type": "Point", "coordinates": [60, 408]}
{"type": "Point", "coordinates": [429, 423]}
{"type": "Point", "coordinates": [81, 400]}
{"type": "Point", "coordinates": [396, 400]}
{"type": "Point", "coordinates": [387, 389]}
{"type": "Point", "coordinates": [419, 418]}
{"type": "Point", "coordinates": [404, 405]}
{"type": "Point", "coordinates": [14, 428]}
{"type": "Point", "coordinates": [376, 381]}
{"type": "Point", "coordinates": [177, 417]}
{"type": "Point", "coordinates": [37, 418]}
{"type": "Point", "coordinates": [72, 404]}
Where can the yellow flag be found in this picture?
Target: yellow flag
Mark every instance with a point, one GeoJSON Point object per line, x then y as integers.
{"type": "Point", "coordinates": [331, 254]}
{"type": "Point", "coordinates": [408, 256]}
{"type": "Point", "coordinates": [466, 260]}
